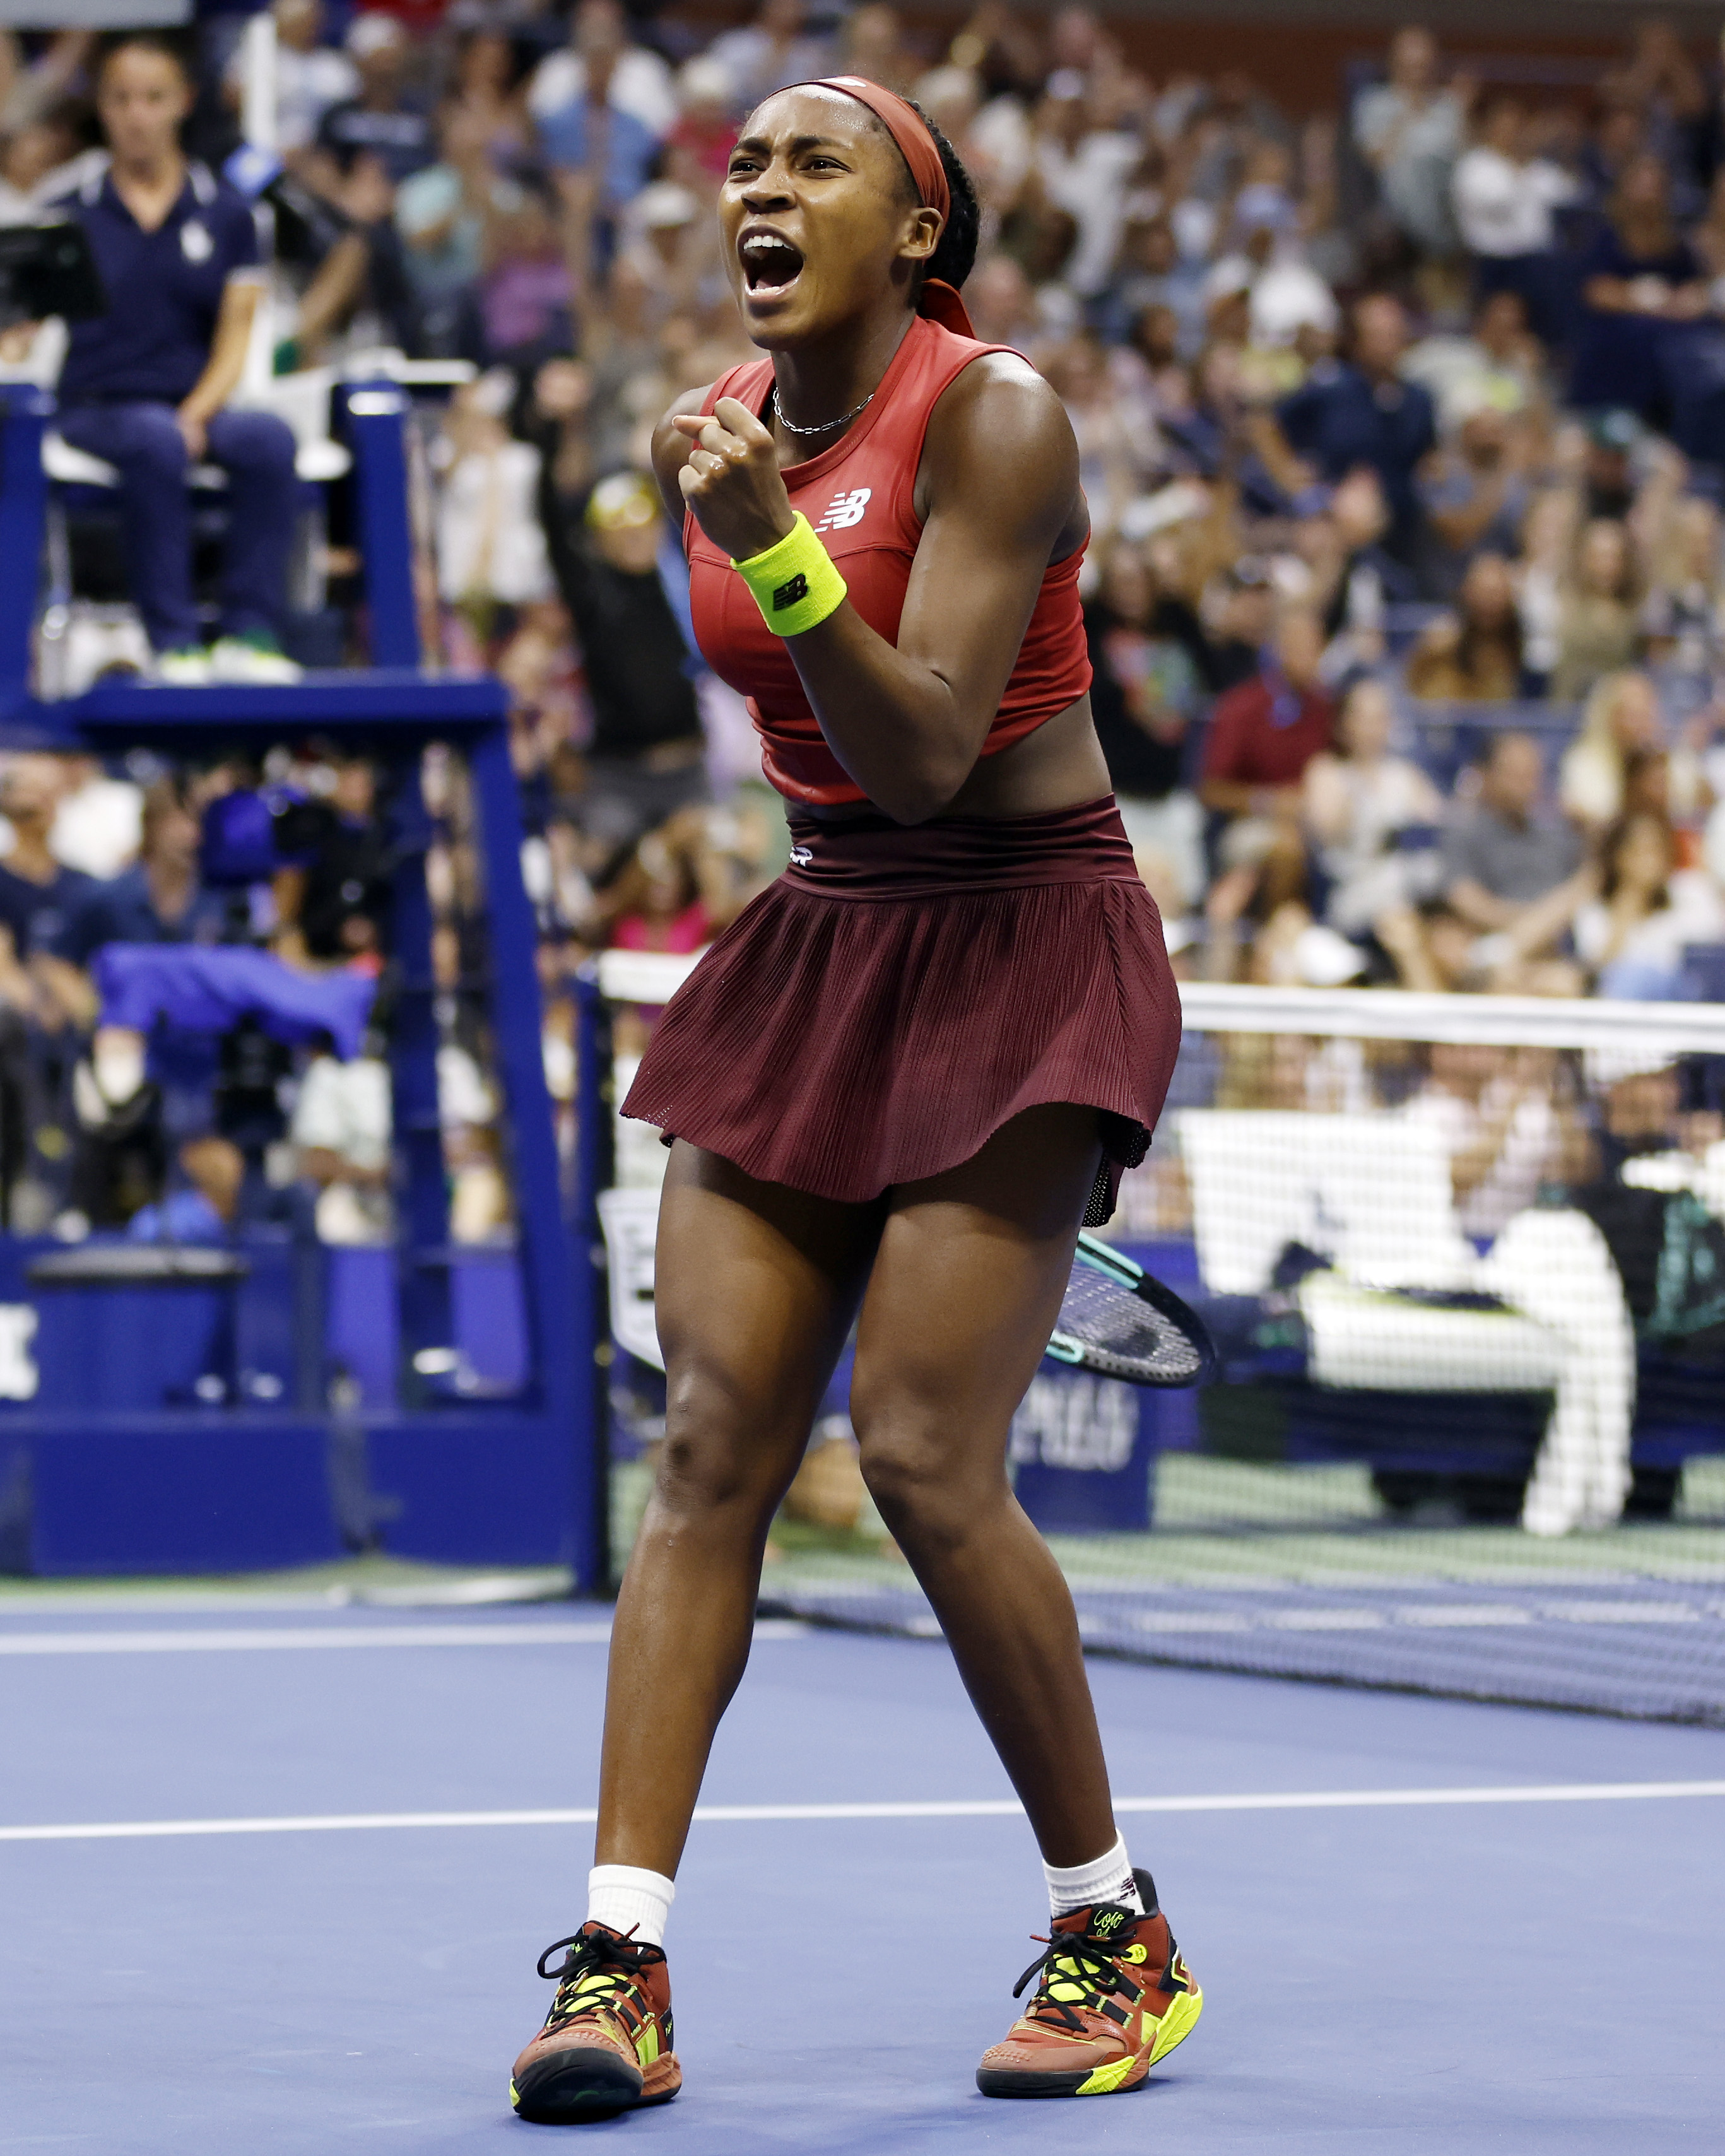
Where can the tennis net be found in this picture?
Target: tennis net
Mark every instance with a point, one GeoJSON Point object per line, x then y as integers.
{"type": "Point", "coordinates": [1464, 1261]}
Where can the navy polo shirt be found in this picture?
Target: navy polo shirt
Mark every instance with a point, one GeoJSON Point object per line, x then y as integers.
{"type": "Point", "coordinates": [1339, 419]}
{"type": "Point", "coordinates": [164, 289]}
{"type": "Point", "coordinates": [38, 914]}
{"type": "Point", "coordinates": [119, 910]}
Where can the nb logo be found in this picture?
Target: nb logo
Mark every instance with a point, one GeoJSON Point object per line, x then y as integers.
{"type": "Point", "coordinates": [844, 510]}
{"type": "Point", "coordinates": [791, 594]}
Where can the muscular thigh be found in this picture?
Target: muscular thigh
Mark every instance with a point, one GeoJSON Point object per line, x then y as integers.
{"type": "Point", "coordinates": [756, 1287]}
{"type": "Point", "coordinates": [967, 1286]}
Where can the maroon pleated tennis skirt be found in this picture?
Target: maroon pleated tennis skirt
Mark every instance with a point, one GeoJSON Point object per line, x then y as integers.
{"type": "Point", "coordinates": [897, 995]}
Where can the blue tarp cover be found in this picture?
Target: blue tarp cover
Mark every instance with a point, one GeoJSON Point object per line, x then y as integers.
{"type": "Point", "coordinates": [207, 988]}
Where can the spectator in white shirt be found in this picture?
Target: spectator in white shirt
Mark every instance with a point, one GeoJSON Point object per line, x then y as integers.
{"type": "Point", "coordinates": [1632, 935]}
{"type": "Point", "coordinates": [98, 824]}
{"type": "Point", "coordinates": [1084, 170]}
{"type": "Point", "coordinates": [1505, 198]}
{"type": "Point", "coordinates": [491, 543]}
{"type": "Point", "coordinates": [1622, 720]}
{"type": "Point", "coordinates": [641, 82]}
{"type": "Point", "coordinates": [1506, 1130]}
{"type": "Point", "coordinates": [310, 76]}
{"type": "Point", "coordinates": [1361, 804]}
{"type": "Point", "coordinates": [1409, 131]}
{"type": "Point", "coordinates": [1002, 142]}
{"type": "Point", "coordinates": [341, 1128]}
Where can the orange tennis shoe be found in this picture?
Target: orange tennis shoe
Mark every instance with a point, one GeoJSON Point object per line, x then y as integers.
{"type": "Point", "coordinates": [1113, 1997]}
{"type": "Point", "coordinates": [606, 2045]}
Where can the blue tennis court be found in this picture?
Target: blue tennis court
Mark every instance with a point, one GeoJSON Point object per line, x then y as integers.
{"type": "Point", "coordinates": [325, 1866]}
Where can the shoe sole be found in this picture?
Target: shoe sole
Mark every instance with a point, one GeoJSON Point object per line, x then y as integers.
{"type": "Point", "coordinates": [1118, 2079]}
{"type": "Point", "coordinates": [574, 2086]}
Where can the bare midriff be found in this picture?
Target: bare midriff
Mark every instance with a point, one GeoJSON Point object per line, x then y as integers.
{"type": "Point", "coordinates": [1057, 767]}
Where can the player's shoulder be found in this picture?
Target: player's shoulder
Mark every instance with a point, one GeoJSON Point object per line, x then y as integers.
{"type": "Point", "coordinates": [1000, 381]}
{"type": "Point", "coordinates": [998, 407]}
{"type": "Point", "coordinates": [999, 447]}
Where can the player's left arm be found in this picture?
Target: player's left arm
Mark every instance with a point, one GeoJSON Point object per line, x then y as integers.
{"type": "Point", "coordinates": [226, 363]}
{"type": "Point", "coordinates": [998, 488]}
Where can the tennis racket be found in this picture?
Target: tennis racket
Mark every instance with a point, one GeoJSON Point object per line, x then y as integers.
{"type": "Point", "coordinates": [1117, 1320]}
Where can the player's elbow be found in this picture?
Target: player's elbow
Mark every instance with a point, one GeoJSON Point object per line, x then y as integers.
{"type": "Point", "coordinates": [906, 806]}
{"type": "Point", "coordinates": [910, 805]}
{"type": "Point", "coordinates": [919, 798]}
{"type": "Point", "coordinates": [916, 790]}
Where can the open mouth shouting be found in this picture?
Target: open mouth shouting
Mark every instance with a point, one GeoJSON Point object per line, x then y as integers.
{"type": "Point", "coordinates": [771, 266]}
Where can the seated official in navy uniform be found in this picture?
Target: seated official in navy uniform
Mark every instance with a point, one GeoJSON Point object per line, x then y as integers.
{"type": "Point", "coordinates": [146, 386]}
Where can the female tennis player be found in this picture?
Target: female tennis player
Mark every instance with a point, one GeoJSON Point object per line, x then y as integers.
{"type": "Point", "coordinates": [896, 1085]}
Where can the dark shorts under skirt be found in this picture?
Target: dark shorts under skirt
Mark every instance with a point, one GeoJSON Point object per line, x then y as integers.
{"type": "Point", "coordinates": [897, 995]}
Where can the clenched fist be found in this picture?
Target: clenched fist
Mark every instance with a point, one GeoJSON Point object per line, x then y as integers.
{"type": "Point", "coordinates": [730, 479]}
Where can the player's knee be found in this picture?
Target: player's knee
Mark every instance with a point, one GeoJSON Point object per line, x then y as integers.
{"type": "Point", "coordinates": [908, 1463]}
{"type": "Point", "coordinates": [713, 1456]}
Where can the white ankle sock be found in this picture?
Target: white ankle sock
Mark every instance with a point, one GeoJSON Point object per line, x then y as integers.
{"type": "Point", "coordinates": [628, 1899]}
{"type": "Point", "coordinates": [1104, 1878]}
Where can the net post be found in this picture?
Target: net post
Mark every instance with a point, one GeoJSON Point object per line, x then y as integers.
{"type": "Point", "coordinates": [590, 1343]}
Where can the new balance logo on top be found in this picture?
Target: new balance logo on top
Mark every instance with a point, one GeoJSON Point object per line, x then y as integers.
{"type": "Point", "coordinates": [844, 510]}
{"type": "Point", "coordinates": [791, 594]}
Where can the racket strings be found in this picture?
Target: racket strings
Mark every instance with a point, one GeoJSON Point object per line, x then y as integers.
{"type": "Point", "coordinates": [1123, 1336]}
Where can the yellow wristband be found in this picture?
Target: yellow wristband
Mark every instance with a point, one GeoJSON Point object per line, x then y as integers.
{"type": "Point", "coordinates": [795, 583]}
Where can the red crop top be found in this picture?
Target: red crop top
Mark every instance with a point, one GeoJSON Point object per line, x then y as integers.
{"type": "Point", "coordinates": [858, 496]}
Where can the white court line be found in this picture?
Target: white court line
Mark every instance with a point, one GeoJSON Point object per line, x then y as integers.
{"type": "Point", "coordinates": [595, 1632]}
{"type": "Point", "coordinates": [1272, 1800]}
{"type": "Point", "coordinates": [1621, 1613]}
{"type": "Point", "coordinates": [1360, 1617]}
{"type": "Point", "coordinates": [261, 1638]}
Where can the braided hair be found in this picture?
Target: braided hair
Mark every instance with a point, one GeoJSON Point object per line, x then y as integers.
{"type": "Point", "coordinates": [954, 257]}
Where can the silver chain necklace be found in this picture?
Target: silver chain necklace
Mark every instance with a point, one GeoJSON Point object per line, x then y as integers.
{"type": "Point", "coordinates": [828, 426]}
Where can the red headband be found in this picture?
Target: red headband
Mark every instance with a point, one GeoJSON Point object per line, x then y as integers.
{"type": "Point", "coordinates": [907, 127]}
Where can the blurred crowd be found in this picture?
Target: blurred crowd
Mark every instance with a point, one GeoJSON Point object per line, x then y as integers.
{"type": "Point", "coordinates": [1402, 426]}
{"type": "Point", "coordinates": [196, 995]}
{"type": "Point", "coordinates": [1403, 429]}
